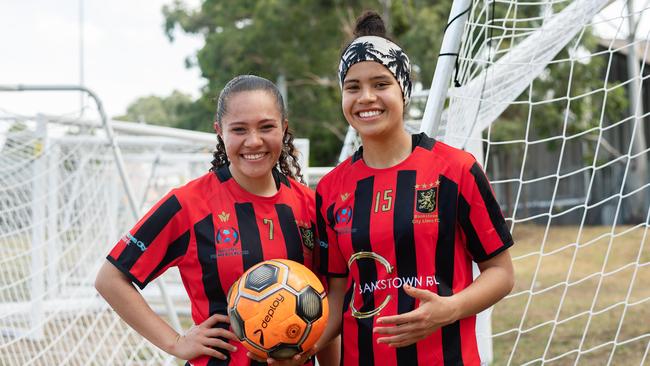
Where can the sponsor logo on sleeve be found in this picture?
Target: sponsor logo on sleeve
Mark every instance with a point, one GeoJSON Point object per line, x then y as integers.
{"type": "Point", "coordinates": [131, 240]}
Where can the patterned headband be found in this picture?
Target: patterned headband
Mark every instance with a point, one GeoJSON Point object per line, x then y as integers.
{"type": "Point", "coordinates": [383, 51]}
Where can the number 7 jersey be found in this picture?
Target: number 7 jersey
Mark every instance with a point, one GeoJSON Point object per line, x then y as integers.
{"type": "Point", "coordinates": [213, 230]}
{"type": "Point", "coordinates": [421, 222]}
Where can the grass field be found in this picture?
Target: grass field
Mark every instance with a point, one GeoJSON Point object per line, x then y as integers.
{"type": "Point", "coordinates": [558, 283]}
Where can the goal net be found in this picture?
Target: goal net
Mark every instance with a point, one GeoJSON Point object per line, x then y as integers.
{"type": "Point", "coordinates": [62, 207]}
{"type": "Point", "coordinates": [552, 97]}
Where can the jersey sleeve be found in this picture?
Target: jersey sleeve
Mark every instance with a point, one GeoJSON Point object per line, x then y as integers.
{"type": "Point", "coordinates": [158, 241]}
{"type": "Point", "coordinates": [329, 260]}
{"type": "Point", "coordinates": [480, 216]}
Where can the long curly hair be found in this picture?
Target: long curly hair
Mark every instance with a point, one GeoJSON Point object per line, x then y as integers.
{"type": "Point", "coordinates": [288, 160]}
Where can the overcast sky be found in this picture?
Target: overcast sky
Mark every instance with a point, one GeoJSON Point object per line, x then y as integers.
{"type": "Point", "coordinates": [126, 54]}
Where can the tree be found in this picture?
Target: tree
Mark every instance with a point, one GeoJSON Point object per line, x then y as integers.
{"type": "Point", "coordinates": [300, 40]}
{"type": "Point", "coordinates": [174, 110]}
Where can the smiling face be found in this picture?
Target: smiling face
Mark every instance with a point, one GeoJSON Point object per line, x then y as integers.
{"type": "Point", "coordinates": [252, 131]}
{"type": "Point", "coordinates": [372, 101]}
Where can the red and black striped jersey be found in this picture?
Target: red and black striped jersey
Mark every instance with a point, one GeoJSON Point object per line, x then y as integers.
{"type": "Point", "coordinates": [213, 230]}
{"type": "Point", "coordinates": [421, 222]}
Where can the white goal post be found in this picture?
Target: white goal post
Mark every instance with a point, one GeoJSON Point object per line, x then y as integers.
{"type": "Point", "coordinates": [568, 161]}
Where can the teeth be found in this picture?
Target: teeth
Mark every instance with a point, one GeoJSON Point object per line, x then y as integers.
{"type": "Point", "coordinates": [253, 156]}
{"type": "Point", "coordinates": [367, 114]}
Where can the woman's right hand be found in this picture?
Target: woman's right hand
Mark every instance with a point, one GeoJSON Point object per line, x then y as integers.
{"type": "Point", "coordinates": [204, 340]}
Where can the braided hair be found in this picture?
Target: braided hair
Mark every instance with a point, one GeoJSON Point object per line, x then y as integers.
{"type": "Point", "coordinates": [288, 160]}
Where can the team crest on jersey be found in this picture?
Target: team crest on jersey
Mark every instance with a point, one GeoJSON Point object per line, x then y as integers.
{"type": "Point", "coordinates": [426, 200]}
{"type": "Point", "coordinates": [227, 235]}
{"type": "Point", "coordinates": [307, 237]}
{"type": "Point", "coordinates": [344, 215]}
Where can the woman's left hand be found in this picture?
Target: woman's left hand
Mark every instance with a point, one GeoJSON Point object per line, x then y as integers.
{"type": "Point", "coordinates": [405, 329]}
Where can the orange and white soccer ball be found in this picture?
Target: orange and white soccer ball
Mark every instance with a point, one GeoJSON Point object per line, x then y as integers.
{"type": "Point", "coordinates": [278, 308]}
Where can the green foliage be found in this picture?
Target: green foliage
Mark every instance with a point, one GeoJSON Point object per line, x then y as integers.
{"type": "Point", "coordinates": [175, 110]}
{"type": "Point", "coordinates": [302, 41]}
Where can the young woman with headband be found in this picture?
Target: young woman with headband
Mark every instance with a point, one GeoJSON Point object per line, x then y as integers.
{"type": "Point", "coordinates": [400, 223]}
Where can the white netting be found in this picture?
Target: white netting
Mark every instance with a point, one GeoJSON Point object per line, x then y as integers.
{"type": "Point", "coordinates": [553, 99]}
{"type": "Point", "coordinates": [62, 206]}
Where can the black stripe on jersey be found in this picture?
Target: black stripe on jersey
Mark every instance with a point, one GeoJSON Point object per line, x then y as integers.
{"type": "Point", "coordinates": [405, 252]}
{"type": "Point", "coordinates": [213, 361]}
{"type": "Point", "coordinates": [367, 268]}
{"type": "Point", "coordinates": [320, 248]}
{"type": "Point", "coordinates": [251, 244]}
{"type": "Point", "coordinates": [491, 204]}
{"type": "Point", "coordinates": [280, 178]}
{"type": "Point", "coordinates": [348, 297]}
{"type": "Point", "coordinates": [447, 198]}
{"type": "Point", "coordinates": [473, 241]}
{"type": "Point", "coordinates": [207, 252]}
{"type": "Point", "coordinates": [330, 216]}
{"type": "Point", "coordinates": [291, 233]}
{"type": "Point", "coordinates": [148, 231]}
{"type": "Point", "coordinates": [423, 141]}
{"type": "Point", "coordinates": [357, 154]}
{"type": "Point", "coordinates": [223, 173]}
{"type": "Point", "coordinates": [175, 250]}
{"type": "Point", "coordinates": [451, 344]}
{"type": "Point", "coordinates": [346, 306]}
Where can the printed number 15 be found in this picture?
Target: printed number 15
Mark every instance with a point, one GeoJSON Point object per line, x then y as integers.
{"type": "Point", "coordinates": [386, 203]}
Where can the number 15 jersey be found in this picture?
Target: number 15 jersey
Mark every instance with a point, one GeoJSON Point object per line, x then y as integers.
{"type": "Point", "coordinates": [421, 223]}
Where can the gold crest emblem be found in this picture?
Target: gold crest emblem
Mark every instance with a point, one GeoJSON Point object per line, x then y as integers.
{"type": "Point", "coordinates": [426, 200]}
{"type": "Point", "coordinates": [223, 216]}
{"type": "Point", "coordinates": [307, 237]}
{"type": "Point", "coordinates": [345, 196]}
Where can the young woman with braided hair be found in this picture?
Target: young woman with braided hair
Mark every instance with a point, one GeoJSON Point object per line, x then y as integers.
{"type": "Point", "coordinates": [247, 209]}
{"type": "Point", "coordinates": [399, 224]}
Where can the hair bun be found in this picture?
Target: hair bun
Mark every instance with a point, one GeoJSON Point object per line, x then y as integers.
{"type": "Point", "coordinates": [370, 24]}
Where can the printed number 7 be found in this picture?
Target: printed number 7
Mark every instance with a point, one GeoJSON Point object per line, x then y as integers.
{"type": "Point", "coordinates": [270, 223]}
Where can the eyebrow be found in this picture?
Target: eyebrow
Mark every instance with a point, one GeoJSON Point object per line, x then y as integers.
{"type": "Point", "coordinates": [243, 123]}
{"type": "Point", "coordinates": [374, 78]}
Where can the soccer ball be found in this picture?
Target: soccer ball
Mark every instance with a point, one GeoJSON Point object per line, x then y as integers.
{"type": "Point", "coordinates": [278, 308]}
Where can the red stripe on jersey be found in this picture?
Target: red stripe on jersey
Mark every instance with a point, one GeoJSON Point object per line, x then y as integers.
{"type": "Point", "coordinates": [469, 345]}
